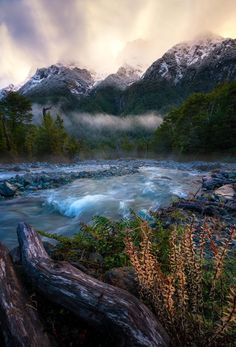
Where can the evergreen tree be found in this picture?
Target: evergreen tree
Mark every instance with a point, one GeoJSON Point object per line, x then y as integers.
{"type": "Point", "coordinates": [15, 113]}
{"type": "Point", "coordinates": [205, 123]}
{"type": "Point", "coordinates": [18, 136]}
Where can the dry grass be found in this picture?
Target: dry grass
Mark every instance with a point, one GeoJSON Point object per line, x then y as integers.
{"type": "Point", "coordinates": [195, 299]}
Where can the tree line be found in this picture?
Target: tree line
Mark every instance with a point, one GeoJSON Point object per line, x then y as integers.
{"type": "Point", "coordinates": [19, 137]}
{"type": "Point", "coordinates": [204, 123]}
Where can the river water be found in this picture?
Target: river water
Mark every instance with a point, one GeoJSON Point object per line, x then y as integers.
{"type": "Point", "coordinates": [61, 210]}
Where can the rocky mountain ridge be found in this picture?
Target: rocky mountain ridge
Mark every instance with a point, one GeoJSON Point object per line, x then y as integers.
{"type": "Point", "coordinates": [195, 66]}
{"type": "Point", "coordinates": [59, 77]}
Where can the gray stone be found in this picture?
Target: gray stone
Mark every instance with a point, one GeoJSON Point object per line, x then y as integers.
{"type": "Point", "coordinates": [7, 189]}
{"type": "Point", "coordinates": [124, 278]}
{"type": "Point", "coordinates": [226, 191]}
{"type": "Point", "coordinates": [96, 258]}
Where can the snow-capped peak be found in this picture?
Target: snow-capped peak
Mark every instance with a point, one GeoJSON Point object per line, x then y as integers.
{"type": "Point", "coordinates": [175, 61]}
{"type": "Point", "coordinates": [190, 52]}
{"type": "Point", "coordinates": [124, 77]}
{"type": "Point", "coordinates": [130, 71]}
{"type": "Point", "coordinates": [59, 76]}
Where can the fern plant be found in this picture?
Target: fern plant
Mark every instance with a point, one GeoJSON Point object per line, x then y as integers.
{"type": "Point", "coordinates": [193, 296]}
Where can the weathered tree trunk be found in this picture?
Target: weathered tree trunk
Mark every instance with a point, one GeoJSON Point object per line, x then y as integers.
{"type": "Point", "coordinates": [101, 305]}
{"type": "Point", "coordinates": [19, 323]}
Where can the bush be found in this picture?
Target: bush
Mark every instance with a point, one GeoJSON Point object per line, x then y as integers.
{"type": "Point", "coordinates": [194, 294]}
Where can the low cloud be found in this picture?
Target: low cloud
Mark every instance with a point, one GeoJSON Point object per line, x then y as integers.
{"type": "Point", "coordinates": [81, 124]}
{"type": "Point", "coordinates": [104, 122]}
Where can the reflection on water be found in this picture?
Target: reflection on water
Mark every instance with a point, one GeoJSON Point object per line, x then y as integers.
{"type": "Point", "coordinates": [61, 210]}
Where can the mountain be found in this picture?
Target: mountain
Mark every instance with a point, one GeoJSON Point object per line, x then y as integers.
{"type": "Point", "coordinates": [189, 67]}
{"type": "Point", "coordinates": [124, 77]}
{"type": "Point", "coordinates": [106, 95]}
{"type": "Point", "coordinates": [195, 66]}
{"type": "Point", "coordinates": [175, 63]}
{"type": "Point", "coordinates": [67, 85]}
{"type": "Point", "coordinates": [57, 83]}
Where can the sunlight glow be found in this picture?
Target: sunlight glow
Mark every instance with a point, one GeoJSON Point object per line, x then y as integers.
{"type": "Point", "coordinates": [228, 29]}
{"type": "Point", "coordinates": [116, 47]}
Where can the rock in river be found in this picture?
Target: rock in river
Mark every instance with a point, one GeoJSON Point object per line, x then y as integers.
{"type": "Point", "coordinates": [7, 189]}
{"type": "Point", "coordinates": [226, 191]}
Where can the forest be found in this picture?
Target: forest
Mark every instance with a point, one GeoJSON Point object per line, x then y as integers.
{"type": "Point", "coordinates": [19, 137]}
{"type": "Point", "coordinates": [204, 123]}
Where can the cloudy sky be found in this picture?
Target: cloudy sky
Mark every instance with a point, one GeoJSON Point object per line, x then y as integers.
{"type": "Point", "coordinates": [101, 34]}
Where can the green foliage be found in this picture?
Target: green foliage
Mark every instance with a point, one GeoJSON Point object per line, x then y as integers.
{"type": "Point", "coordinates": [205, 123]}
{"type": "Point", "coordinates": [103, 100]}
{"type": "Point", "coordinates": [107, 238]}
{"type": "Point", "coordinates": [148, 95]}
{"type": "Point", "coordinates": [15, 115]}
{"type": "Point", "coordinates": [102, 236]}
{"type": "Point", "coordinates": [140, 97]}
{"type": "Point", "coordinates": [16, 109]}
{"type": "Point", "coordinates": [52, 139]}
{"type": "Point", "coordinates": [19, 137]}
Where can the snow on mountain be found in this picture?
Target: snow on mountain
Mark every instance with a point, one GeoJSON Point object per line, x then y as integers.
{"type": "Point", "coordinates": [59, 78]}
{"type": "Point", "coordinates": [174, 63]}
{"type": "Point", "coordinates": [189, 67]}
{"type": "Point", "coordinates": [124, 77]}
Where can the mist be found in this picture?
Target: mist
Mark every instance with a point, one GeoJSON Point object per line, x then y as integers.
{"type": "Point", "coordinates": [105, 136]}
{"type": "Point", "coordinates": [103, 122]}
{"type": "Point", "coordinates": [101, 35]}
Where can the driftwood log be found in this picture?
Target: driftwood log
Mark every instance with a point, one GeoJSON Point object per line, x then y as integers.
{"type": "Point", "coordinates": [19, 323]}
{"type": "Point", "coordinates": [97, 303]}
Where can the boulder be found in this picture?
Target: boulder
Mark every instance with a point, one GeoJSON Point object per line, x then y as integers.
{"type": "Point", "coordinates": [210, 183]}
{"type": "Point", "coordinates": [124, 278]}
{"type": "Point", "coordinates": [96, 258]}
{"type": "Point", "coordinates": [226, 191]}
{"type": "Point", "coordinates": [7, 189]}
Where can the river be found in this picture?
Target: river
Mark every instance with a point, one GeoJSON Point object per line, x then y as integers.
{"type": "Point", "coordinates": [62, 209]}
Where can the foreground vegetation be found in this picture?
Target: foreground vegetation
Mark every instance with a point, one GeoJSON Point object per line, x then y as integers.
{"type": "Point", "coordinates": [19, 137]}
{"type": "Point", "coordinates": [186, 273]}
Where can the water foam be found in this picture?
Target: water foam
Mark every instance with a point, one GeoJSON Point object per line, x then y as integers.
{"type": "Point", "coordinates": [74, 207]}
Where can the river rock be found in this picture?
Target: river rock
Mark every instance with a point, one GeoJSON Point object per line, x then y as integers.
{"type": "Point", "coordinates": [96, 258]}
{"type": "Point", "coordinates": [7, 189]}
{"type": "Point", "coordinates": [124, 278]}
{"type": "Point", "coordinates": [210, 183]}
{"type": "Point", "coordinates": [165, 178]}
{"type": "Point", "coordinates": [226, 191]}
{"type": "Point", "coordinates": [17, 168]}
